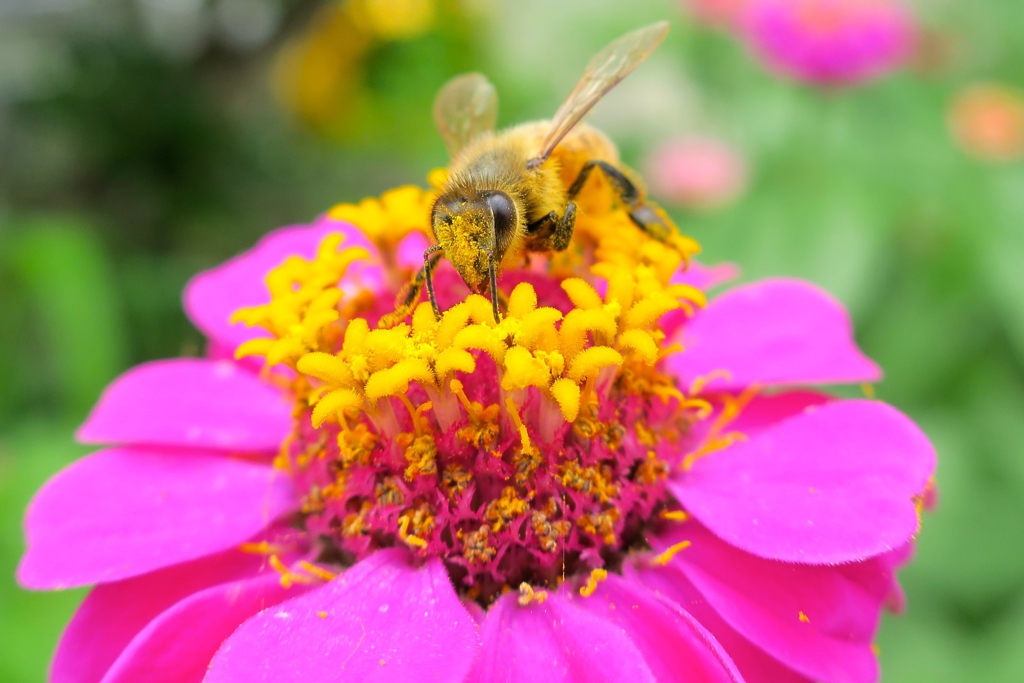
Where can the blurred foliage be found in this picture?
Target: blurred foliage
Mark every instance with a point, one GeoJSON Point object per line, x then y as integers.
{"type": "Point", "coordinates": [30, 623]}
{"type": "Point", "coordinates": [137, 148]}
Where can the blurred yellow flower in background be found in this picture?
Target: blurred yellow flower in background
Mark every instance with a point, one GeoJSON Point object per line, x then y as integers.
{"type": "Point", "coordinates": [393, 19]}
{"type": "Point", "coordinates": [320, 74]}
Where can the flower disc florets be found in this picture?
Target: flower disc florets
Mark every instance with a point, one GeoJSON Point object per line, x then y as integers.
{"type": "Point", "coordinates": [528, 449]}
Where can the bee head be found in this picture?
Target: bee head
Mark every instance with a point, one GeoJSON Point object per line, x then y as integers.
{"type": "Point", "coordinates": [469, 225]}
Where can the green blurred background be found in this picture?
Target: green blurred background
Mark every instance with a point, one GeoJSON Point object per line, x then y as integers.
{"type": "Point", "coordinates": [142, 141]}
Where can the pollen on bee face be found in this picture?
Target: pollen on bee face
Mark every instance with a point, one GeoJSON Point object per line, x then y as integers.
{"type": "Point", "coordinates": [464, 238]}
{"type": "Point", "coordinates": [525, 449]}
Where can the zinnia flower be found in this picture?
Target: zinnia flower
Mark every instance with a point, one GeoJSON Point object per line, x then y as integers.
{"type": "Point", "coordinates": [614, 482]}
{"type": "Point", "coordinates": [830, 41]}
{"type": "Point", "coordinates": [699, 172]}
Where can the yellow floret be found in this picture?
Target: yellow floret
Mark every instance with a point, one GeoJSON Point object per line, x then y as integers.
{"type": "Point", "coordinates": [285, 349]}
{"type": "Point", "coordinates": [255, 347]}
{"type": "Point", "coordinates": [591, 361]}
{"type": "Point", "coordinates": [304, 301]}
{"type": "Point", "coordinates": [645, 313]}
{"type": "Point", "coordinates": [582, 293]}
{"type": "Point", "coordinates": [451, 359]}
{"type": "Point", "coordinates": [642, 342]}
{"type": "Point", "coordinates": [523, 370]}
{"type": "Point", "coordinates": [355, 335]}
{"type": "Point", "coordinates": [572, 336]}
{"type": "Point", "coordinates": [537, 329]}
{"type": "Point", "coordinates": [452, 322]}
{"type": "Point", "coordinates": [522, 301]}
{"type": "Point", "coordinates": [395, 380]}
{"type": "Point", "coordinates": [325, 367]}
{"type": "Point", "coordinates": [483, 338]}
{"type": "Point", "coordinates": [386, 221]}
{"type": "Point", "coordinates": [567, 395]}
{"type": "Point", "coordinates": [688, 293]}
{"type": "Point", "coordinates": [423, 321]}
{"type": "Point", "coordinates": [621, 285]}
{"type": "Point", "coordinates": [331, 403]}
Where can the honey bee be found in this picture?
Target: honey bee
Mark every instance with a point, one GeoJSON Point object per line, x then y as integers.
{"type": "Point", "coordinates": [512, 192]}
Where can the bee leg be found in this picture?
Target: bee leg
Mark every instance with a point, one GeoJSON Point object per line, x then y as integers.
{"type": "Point", "coordinates": [554, 233]}
{"type": "Point", "coordinates": [543, 225]}
{"type": "Point", "coordinates": [563, 229]}
{"type": "Point", "coordinates": [410, 293]}
{"type": "Point", "coordinates": [431, 257]}
{"type": "Point", "coordinates": [624, 187]}
{"type": "Point", "coordinates": [647, 215]}
{"type": "Point", "coordinates": [652, 220]}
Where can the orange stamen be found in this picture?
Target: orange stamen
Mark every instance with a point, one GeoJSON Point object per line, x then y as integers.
{"type": "Point", "coordinates": [596, 577]}
{"type": "Point", "coordinates": [666, 557]}
{"type": "Point", "coordinates": [316, 571]}
{"type": "Point", "coordinates": [413, 413]}
{"type": "Point", "coordinates": [524, 436]}
{"type": "Point", "coordinates": [674, 515]}
{"type": "Point", "coordinates": [528, 595]}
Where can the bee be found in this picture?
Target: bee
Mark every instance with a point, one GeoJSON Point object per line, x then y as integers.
{"type": "Point", "coordinates": [512, 192]}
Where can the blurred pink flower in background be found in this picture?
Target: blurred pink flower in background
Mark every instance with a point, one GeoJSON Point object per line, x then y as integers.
{"type": "Point", "coordinates": [830, 41]}
{"type": "Point", "coordinates": [698, 172]}
{"type": "Point", "coordinates": [720, 13]}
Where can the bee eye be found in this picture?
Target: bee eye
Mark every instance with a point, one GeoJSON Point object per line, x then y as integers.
{"type": "Point", "coordinates": [503, 211]}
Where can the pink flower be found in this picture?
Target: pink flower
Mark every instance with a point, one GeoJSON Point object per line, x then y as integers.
{"type": "Point", "coordinates": [562, 495]}
{"type": "Point", "coordinates": [697, 172]}
{"type": "Point", "coordinates": [830, 41]}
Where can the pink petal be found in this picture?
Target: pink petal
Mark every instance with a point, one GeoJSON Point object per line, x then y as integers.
{"type": "Point", "coordinates": [554, 642]}
{"type": "Point", "coordinates": [884, 582]}
{"type": "Point", "coordinates": [817, 620]}
{"type": "Point", "coordinates": [213, 296]}
{"type": "Point", "coordinates": [766, 411]}
{"type": "Point", "coordinates": [178, 645]}
{"type": "Point", "coordinates": [705, 277]}
{"type": "Point", "coordinates": [191, 402]}
{"type": "Point", "coordinates": [756, 665]}
{"type": "Point", "coordinates": [772, 332]}
{"type": "Point", "coordinates": [877, 575]}
{"type": "Point", "coordinates": [832, 484]}
{"type": "Point", "coordinates": [382, 620]}
{"type": "Point", "coordinates": [762, 412]}
{"type": "Point", "coordinates": [674, 644]}
{"type": "Point", "coordinates": [114, 613]}
{"type": "Point", "coordinates": [410, 250]}
{"type": "Point", "coordinates": [127, 511]}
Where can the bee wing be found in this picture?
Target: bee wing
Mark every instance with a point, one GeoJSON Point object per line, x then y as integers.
{"type": "Point", "coordinates": [605, 70]}
{"type": "Point", "coordinates": [465, 107]}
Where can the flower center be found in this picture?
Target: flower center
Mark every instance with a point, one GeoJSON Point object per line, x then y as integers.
{"type": "Point", "coordinates": [527, 450]}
